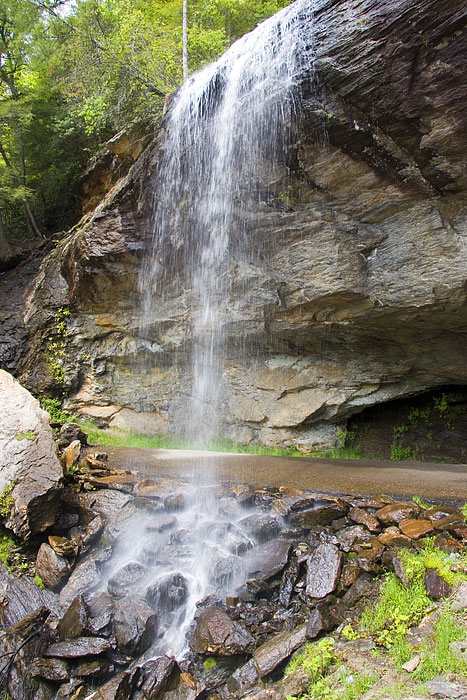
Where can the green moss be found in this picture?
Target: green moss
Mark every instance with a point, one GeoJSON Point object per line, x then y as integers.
{"type": "Point", "coordinates": [209, 663]}
{"type": "Point", "coordinates": [38, 581]}
{"type": "Point", "coordinates": [7, 547]}
{"type": "Point", "coordinates": [27, 435]}
{"type": "Point", "coordinates": [7, 502]}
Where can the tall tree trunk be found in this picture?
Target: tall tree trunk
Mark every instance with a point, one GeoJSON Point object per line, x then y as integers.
{"type": "Point", "coordinates": [185, 39]}
{"type": "Point", "coordinates": [4, 247]}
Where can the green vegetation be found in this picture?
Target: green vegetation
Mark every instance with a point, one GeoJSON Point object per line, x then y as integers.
{"type": "Point", "coordinates": [7, 546]}
{"type": "Point", "coordinates": [27, 435]}
{"type": "Point", "coordinates": [329, 679]}
{"type": "Point", "coordinates": [57, 345]}
{"type": "Point", "coordinates": [54, 409]}
{"type": "Point", "coordinates": [209, 663]}
{"type": "Point", "coordinates": [315, 658]}
{"type": "Point", "coordinates": [97, 436]}
{"type": "Point", "coordinates": [401, 607]}
{"type": "Point", "coordinates": [340, 453]}
{"type": "Point", "coordinates": [73, 74]}
{"type": "Point", "coordinates": [38, 581]}
{"type": "Point", "coordinates": [403, 454]}
{"type": "Point", "coordinates": [7, 502]}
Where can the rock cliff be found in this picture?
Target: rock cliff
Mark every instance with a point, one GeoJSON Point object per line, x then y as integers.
{"type": "Point", "coordinates": [358, 253]}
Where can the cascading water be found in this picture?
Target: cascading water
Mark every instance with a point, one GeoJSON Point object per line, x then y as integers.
{"type": "Point", "coordinates": [225, 128]}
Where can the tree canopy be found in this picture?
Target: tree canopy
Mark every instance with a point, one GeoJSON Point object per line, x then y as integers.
{"type": "Point", "coordinates": [75, 72]}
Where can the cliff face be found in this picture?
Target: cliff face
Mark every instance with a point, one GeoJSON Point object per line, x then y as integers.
{"type": "Point", "coordinates": [358, 252]}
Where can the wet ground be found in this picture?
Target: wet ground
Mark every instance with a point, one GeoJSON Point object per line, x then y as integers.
{"type": "Point", "coordinates": [354, 476]}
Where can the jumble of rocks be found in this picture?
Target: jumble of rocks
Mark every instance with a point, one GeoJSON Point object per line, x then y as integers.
{"type": "Point", "coordinates": [310, 564]}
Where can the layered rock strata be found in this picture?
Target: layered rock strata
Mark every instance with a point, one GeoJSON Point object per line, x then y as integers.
{"type": "Point", "coordinates": [354, 289]}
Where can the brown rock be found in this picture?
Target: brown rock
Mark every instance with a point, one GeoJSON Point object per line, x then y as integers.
{"type": "Point", "coordinates": [135, 625]}
{"type": "Point", "coordinates": [396, 512]}
{"type": "Point", "coordinates": [440, 512]}
{"type": "Point", "coordinates": [448, 544]}
{"type": "Point", "coordinates": [55, 670]}
{"type": "Point", "coordinates": [362, 517]}
{"type": "Point", "coordinates": [215, 632]}
{"type": "Point", "coordinates": [435, 585]}
{"type": "Point", "coordinates": [323, 570]}
{"type": "Point", "coordinates": [268, 559]}
{"type": "Point", "coordinates": [92, 669]}
{"type": "Point", "coordinates": [415, 529]}
{"type": "Point", "coordinates": [51, 567]}
{"type": "Point", "coordinates": [159, 676]}
{"type": "Point", "coordinates": [83, 646]}
{"type": "Point", "coordinates": [393, 537]}
{"type": "Point", "coordinates": [350, 573]}
{"type": "Point", "coordinates": [119, 687]}
{"type": "Point", "coordinates": [63, 546]}
{"type": "Point", "coordinates": [70, 454]}
{"type": "Point", "coordinates": [445, 523]}
{"type": "Point", "coordinates": [268, 656]}
{"type": "Point", "coordinates": [321, 512]}
{"type": "Point", "coordinates": [74, 622]}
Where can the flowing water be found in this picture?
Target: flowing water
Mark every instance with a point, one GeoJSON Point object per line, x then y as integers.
{"type": "Point", "coordinates": [227, 128]}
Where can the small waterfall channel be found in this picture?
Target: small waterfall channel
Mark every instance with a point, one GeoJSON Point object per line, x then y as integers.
{"type": "Point", "coordinates": [225, 125]}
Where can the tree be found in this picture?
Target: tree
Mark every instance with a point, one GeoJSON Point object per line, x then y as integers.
{"type": "Point", "coordinates": [15, 24]}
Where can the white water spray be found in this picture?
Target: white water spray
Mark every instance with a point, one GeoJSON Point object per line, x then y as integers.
{"type": "Point", "coordinates": [227, 127]}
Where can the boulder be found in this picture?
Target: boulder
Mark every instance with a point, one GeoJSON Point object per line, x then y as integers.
{"type": "Point", "coordinates": [435, 585]}
{"type": "Point", "coordinates": [266, 560]}
{"type": "Point", "coordinates": [127, 576]}
{"type": "Point", "coordinates": [168, 593]}
{"type": "Point", "coordinates": [69, 432]}
{"type": "Point", "coordinates": [55, 670]}
{"type": "Point", "coordinates": [269, 655]}
{"type": "Point", "coordinates": [51, 567]}
{"type": "Point", "coordinates": [30, 471]}
{"type": "Point", "coordinates": [415, 528]}
{"type": "Point", "coordinates": [323, 571]}
{"type": "Point", "coordinates": [321, 512]}
{"type": "Point", "coordinates": [74, 622]}
{"type": "Point", "coordinates": [216, 633]}
{"type": "Point", "coordinates": [395, 512]}
{"type": "Point", "coordinates": [321, 619]}
{"type": "Point", "coordinates": [76, 648]}
{"type": "Point", "coordinates": [120, 687]}
{"type": "Point", "coordinates": [261, 526]}
{"type": "Point", "coordinates": [85, 576]}
{"type": "Point", "coordinates": [158, 676]}
{"type": "Point", "coordinates": [135, 625]}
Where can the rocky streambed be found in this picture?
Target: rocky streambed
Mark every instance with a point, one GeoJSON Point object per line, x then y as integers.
{"type": "Point", "coordinates": [164, 588]}
{"type": "Point", "coordinates": [127, 557]}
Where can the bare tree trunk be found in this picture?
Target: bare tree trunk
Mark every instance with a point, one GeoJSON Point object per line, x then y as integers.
{"type": "Point", "coordinates": [4, 246]}
{"type": "Point", "coordinates": [185, 39]}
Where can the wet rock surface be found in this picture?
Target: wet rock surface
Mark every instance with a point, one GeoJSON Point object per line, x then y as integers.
{"type": "Point", "coordinates": [124, 601]}
{"type": "Point", "coordinates": [385, 183]}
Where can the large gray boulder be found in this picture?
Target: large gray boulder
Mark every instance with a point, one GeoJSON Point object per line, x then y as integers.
{"type": "Point", "coordinates": [30, 471]}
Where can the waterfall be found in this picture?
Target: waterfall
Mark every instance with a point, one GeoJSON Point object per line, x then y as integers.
{"type": "Point", "coordinates": [228, 125]}
{"type": "Point", "coordinates": [226, 129]}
